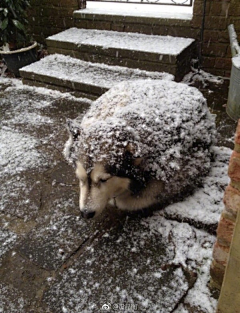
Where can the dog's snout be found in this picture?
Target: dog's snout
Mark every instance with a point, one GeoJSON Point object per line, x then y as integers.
{"type": "Point", "coordinates": [87, 214]}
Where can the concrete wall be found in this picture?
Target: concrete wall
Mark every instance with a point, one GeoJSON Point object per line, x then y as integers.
{"type": "Point", "coordinates": [228, 218]}
{"type": "Point", "coordinates": [52, 16]}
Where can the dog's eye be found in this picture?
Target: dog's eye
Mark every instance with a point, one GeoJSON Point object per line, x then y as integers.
{"type": "Point", "coordinates": [103, 180]}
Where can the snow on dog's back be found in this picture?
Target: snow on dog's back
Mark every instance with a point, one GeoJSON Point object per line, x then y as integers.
{"type": "Point", "coordinates": [167, 123]}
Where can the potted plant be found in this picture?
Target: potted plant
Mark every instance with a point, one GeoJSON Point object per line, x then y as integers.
{"type": "Point", "coordinates": [17, 48]}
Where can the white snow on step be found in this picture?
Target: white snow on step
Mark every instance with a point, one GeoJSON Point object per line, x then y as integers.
{"type": "Point", "coordinates": [162, 45]}
{"type": "Point", "coordinates": [94, 74]}
{"type": "Point", "coordinates": [138, 9]}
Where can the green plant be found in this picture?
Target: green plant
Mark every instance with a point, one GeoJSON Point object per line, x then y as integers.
{"type": "Point", "coordinates": [13, 23]}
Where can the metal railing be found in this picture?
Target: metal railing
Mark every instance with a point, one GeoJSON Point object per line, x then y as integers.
{"type": "Point", "coordinates": [188, 3]}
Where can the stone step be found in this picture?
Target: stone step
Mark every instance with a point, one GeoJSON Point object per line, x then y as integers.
{"type": "Point", "coordinates": [86, 79]}
{"type": "Point", "coordinates": [151, 19]}
{"type": "Point", "coordinates": [147, 52]}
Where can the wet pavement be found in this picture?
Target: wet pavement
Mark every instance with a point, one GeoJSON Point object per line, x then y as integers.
{"type": "Point", "coordinates": [52, 260]}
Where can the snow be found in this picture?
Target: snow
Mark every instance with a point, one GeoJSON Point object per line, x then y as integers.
{"type": "Point", "coordinates": [162, 45]}
{"type": "Point", "coordinates": [138, 9]}
{"type": "Point", "coordinates": [197, 75]}
{"type": "Point", "coordinates": [236, 61]}
{"type": "Point", "coordinates": [7, 240]}
{"type": "Point", "coordinates": [166, 123]}
{"type": "Point", "coordinates": [6, 294]}
{"type": "Point", "coordinates": [205, 205]}
{"type": "Point", "coordinates": [94, 74]}
{"type": "Point", "coordinates": [14, 148]}
{"type": "Point", "coordinates": [48, 95]}
{"type": "Point", "coordinates": [192, 249]}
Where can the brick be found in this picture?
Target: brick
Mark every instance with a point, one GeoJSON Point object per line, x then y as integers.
{"type": "Point", "coordinates": [220, 254]}
{"type": "Point", "coordinates": [235, 184]}
{"type": "Point", "coordinates": [234, 9]}
{"type": "Point", "coordinates": [236, 22]}
{"type": "Point", "coordinates": [227, 74]}
{"type": "Point", "coordinates": [232, 200]}
{"type": "Point", "coordinates": [196, 21]}
{"type": "Point", "coordinates": [211, 35]}
{"type": "Point", "coordinates": [223, 63]}
{"type": "Point", "coordinates": [215, 49]}
{"type": "Point", "coordinates": [237, 147]}
{"type": "Point", "coordinates": [213, 22]}
{"type": "Point", "coordinates": [217, 272]}
{"type": "Point", "coordinates": [229, 52]}
{"type": "Point", "coordinates": [219, 9]}
{"type": "Point", "coordinates": [139, 28]}
{"type": "Point", "coordinates": [198, 8]}
{"type": "Point", "coordinates": [119, 27]}
{"type": "Point", "coordinates": [225, 231]}
{"type": "Point", "coordinates": [237, 135]}
{"type": "Point", "coordinates": [209, 62]}
{"type": "Point", "coordinates": [234, 167]}
{"type": "Point", "coordinates": [223, 36]}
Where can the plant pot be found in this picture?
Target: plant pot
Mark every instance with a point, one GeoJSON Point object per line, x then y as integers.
{"type": "Point", "coordinates": [17, 59]}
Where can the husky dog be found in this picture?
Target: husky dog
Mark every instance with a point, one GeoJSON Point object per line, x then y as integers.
{"type": "Point", "coordinates": [143, 142]}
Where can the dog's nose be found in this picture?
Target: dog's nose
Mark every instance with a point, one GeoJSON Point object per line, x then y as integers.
{"type": "Point", "coordinates": [87, 214]}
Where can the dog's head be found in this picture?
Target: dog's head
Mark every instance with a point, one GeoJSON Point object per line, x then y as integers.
{"type": "Point", "coordinates": [97, 187]}
{"type": "Point", "coordinates": [105, 172]}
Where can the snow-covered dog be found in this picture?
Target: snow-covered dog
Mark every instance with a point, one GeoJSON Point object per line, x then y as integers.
{"type": "Point", "coordinates": [140, 143]}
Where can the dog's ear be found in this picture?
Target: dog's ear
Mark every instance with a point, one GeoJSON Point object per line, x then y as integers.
{"type": "Point", "coordinates": [130, 148]}
{"type": "Point", "coordinates": [74, 130]}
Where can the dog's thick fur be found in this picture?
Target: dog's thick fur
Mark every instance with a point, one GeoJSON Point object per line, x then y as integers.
{"type": "Point", "coordinates": [140, 143]}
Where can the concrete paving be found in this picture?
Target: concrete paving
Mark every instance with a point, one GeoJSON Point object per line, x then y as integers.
{"type": "Point", "coordinates": [52, 260]}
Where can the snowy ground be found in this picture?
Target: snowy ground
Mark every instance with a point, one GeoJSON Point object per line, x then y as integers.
{"type": "Point", "coordinates": [51, 260]}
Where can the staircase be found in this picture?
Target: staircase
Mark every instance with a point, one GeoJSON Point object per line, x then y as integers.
{"type": "Point", "coordinates": [90, 58]}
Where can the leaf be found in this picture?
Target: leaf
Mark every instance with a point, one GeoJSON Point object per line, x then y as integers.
{"type": "Point", "coordinates": [5, 12]}
{"type": "Point", "coordinates": [4, 24]}
{"type": "Point", "coordinates": [19, 25]}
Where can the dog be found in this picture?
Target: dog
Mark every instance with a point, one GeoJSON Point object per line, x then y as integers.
{"type": "Point", "coordinates": [141, 143]}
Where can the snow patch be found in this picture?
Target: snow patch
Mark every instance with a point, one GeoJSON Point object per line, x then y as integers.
{"type": "Point", "coordinates": [201, 76]}
{"type": "Point", "coordinates": [16, 147]}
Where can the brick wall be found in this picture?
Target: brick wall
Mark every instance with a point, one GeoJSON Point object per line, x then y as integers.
{"type": "Point", "coordinates": [49, 17]}
{"type": "Point", "coordinates": [216, 50]}
{"type": "Point", "coordinates": [228, 218]}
